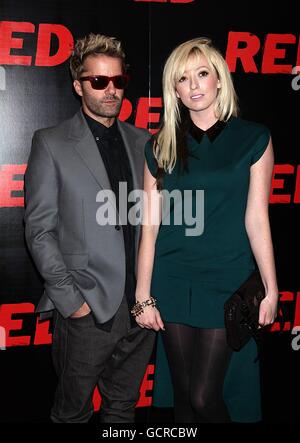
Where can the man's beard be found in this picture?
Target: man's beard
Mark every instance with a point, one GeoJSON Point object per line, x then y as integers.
{"type": "Point", "coordinates": [101, 109]}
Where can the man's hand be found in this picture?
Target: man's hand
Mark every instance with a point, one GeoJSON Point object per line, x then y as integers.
{"type": "Point", "coordinates": [82, 311]}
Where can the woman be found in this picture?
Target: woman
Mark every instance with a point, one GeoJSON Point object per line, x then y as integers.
{"type": "Point", "coordinates": [203, 145]}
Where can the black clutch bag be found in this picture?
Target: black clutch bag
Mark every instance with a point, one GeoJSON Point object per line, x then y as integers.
{"type": "Point", "coordinates": [241, 312]}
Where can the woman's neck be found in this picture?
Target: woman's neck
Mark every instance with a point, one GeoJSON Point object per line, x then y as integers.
{"type": "Point", "coordinates": [203, 122]}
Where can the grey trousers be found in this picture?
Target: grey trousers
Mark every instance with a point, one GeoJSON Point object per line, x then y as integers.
{"type": "Point", "coordinates": [85, 356]}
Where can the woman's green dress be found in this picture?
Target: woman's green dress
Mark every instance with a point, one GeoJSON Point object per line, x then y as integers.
{"type": "Point", "coordinates": [193, 275]}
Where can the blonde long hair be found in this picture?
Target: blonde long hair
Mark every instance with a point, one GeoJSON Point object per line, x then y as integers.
{"type": "Point", "coordinates": [165, 145]}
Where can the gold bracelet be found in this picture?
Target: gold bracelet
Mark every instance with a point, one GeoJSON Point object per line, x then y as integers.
{"type": "Point", "coordinates": [138, 308]}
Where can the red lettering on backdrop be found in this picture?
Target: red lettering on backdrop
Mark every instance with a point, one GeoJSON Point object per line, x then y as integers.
{"type": "Point", "coordinates": [279, 184]}
{"type": "Point", "coordinates": [143, 114]}
{"type": "Point", "coordinates": [147, 385]}
{"type": "Point", "coordinates": [250, 47]}
{"type": "Point", "coordinates": [297, 187]}
{"type": "Point", "coordinates": [285, 296]}
{"type": "Point", "coordinates": [65, 45]}
{"type": "Point", "coordinates": [297, 310]}
{"type": "Point", "coordinates": [8, 172]}
{"type": "Point", "coordinates": [298, 56]}
{"type": "Point", "coordinates": [241, 46]}
{"type": "Point", "coordinates": [272, 52]}
{"type": "Point", "coordinates": [126, 110]}
{"type": "Point", "coordinates": [45, 34]}
{"type": "Point", "coordinates": [42, 335]}
{"type": "Point", "coordinates": [6, 321]}
{"type": "Point", "coordinates": [8, 183]}
{"type": "Point", "coordinates": [244, 46]}
{"type": "Point", "coordinates": [9, 42]}
{"type": "Point", "coordinates": [96, 399]}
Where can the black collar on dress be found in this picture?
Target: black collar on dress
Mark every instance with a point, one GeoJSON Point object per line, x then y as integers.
{"type": "Point", "coordinates": [212, 132]}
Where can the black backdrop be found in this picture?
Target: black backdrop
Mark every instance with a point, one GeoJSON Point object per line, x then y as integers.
{"type": "Point", "coordinates": [36, 91]}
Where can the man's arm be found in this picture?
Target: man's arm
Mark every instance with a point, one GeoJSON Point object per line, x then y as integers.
{"type": "Point", "coordinates": [41, 222]}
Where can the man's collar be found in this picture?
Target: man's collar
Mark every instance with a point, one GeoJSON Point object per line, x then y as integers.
{"type": "Point", "coordinates": [100, 130]}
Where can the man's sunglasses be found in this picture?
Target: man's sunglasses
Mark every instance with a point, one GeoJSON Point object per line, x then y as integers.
{"type": "Point", "coordinates": [102, 81]}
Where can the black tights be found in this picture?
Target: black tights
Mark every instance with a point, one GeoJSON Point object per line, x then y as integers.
{"type": "Point", "coordinates": [198, 360]}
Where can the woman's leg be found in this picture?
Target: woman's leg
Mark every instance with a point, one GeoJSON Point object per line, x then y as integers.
{"type": "Point", "coordinates": [179, 343]}
{"type": "Point", "coordinates": [211, 359]}
{"type": "Point", "coordinates": [198, 360]}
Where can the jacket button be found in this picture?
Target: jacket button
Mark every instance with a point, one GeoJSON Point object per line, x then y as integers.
{"type": "Point", "coordinates": [117, 227]}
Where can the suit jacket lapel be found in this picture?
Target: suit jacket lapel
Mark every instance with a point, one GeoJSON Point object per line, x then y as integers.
{"type": "Point", "coordinates": [133, 154]}
{"type": "Point", "coordinates": [136, 161]}
{"type": "Point", "coordinates": [87, 148]}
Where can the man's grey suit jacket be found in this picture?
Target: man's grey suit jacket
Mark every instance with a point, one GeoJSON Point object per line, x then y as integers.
{"type": "Point", "coordinates": [78, 259]}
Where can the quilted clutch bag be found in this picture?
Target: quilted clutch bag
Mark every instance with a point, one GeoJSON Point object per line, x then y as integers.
{"type": "Point", "coordinates": [241, 312]}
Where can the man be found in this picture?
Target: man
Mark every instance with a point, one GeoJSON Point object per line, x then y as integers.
{"type": "Point", "coordinates": [89, 267]}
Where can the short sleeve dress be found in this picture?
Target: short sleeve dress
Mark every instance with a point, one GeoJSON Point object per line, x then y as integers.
{"type": "Point", "coordinates": [202, 251]}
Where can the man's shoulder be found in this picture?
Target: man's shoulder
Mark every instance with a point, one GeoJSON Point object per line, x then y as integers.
{"type": "Point", "coordinates": [60, 130]}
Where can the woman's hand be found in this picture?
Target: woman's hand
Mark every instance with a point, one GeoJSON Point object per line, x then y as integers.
{"type": "Point", "coordinates": [150, 319]}
{"type": "Point", "coordinates": [268, 310]}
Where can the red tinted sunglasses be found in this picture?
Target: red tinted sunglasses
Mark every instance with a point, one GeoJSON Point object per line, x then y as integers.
{"type": "Point", "coordinates": [102, 81]}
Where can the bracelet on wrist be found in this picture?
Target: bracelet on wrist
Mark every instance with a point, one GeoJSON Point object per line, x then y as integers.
{"type": "Point", "coordinates": [138, 308]}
